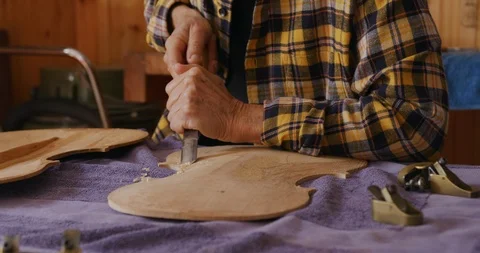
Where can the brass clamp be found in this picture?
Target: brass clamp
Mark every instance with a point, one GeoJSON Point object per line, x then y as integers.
{"type": "Point", "coordinates": [11, 244]}
{"type": "Point", "coordinates": [436, 178]}
{"type": "Point", "coordinates": [389, 207]}
{"type": "Point", "coordinates": [70, 243]}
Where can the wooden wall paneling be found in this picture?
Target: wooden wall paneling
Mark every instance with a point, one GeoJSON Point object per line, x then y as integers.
{"type": "Point", "coordinates": [476, 137]}
{"type": "Point", "coordinates": [145, 78]}
{"type": "Point", "coordinates": [478, 25]}
{"type": "Point", "coordinates": [92, 29]}
{"type": "Point", "coordinates": [127, 29]}
{"type": "Point", "coordinates": [456, 32]}
{"type": "Point", "coordinates": [105, 42]}
{"type": "Point", "coordinates": [463, 141]}
{"type": "Point", "coordinates": [87, 28]}
{"type": "Point", "coordinates": [435, 10]}
{"type": "Point", "coordinates": [449, 148]}
{"type": "Point", "coordinates": [452, 23]}
{"type": "Point", "coordinates": [461, 145]}
{"type": "Point", "coordinates": [134, 79]}
{"type": "Point", "coordinates": [5, 79]}
{"type": "Point", "coordinates": [108, 30]}
{"type": "Point", "coordinates": [46, 23]}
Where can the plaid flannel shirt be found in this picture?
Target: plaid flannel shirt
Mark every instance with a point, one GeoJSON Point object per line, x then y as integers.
{"type": "Point", "coordinates": [357, 78]}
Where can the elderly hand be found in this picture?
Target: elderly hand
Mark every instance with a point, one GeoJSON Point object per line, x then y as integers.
{"type": "Point", "coordinates": [192, 40]}
{"type": "Point", "coordinates": [198, 100]}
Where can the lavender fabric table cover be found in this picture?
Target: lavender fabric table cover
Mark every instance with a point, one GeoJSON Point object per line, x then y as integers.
{"type": "Point", "coordinates": [74, 195]}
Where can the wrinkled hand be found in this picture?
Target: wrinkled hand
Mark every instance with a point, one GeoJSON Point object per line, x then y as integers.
{"type": "Point", "coordinates": [198, 100]}
{"type": "Point", "coordinates": [192, 40]}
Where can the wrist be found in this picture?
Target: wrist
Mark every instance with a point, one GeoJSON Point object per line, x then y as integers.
{"type": "Point", "coordinates": [247, 123]}
{"type": "Point", "coordinates": [182, 13]}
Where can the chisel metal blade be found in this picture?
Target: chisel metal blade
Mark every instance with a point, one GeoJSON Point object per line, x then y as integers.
{"type": "Point", "coordinates": [190, 145]}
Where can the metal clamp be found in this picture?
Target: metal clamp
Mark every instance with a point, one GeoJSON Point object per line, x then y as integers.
{"type": "Point", "coordinates": [389, 207]}
{"type": "Point", "coordinates": [11, 244]}
{"type": "Point", "coordinates": [435, 177]}
{"type": "Point", "coordinates": [77, 55]}
{"type": "Point", "coordinates": [70, 243]}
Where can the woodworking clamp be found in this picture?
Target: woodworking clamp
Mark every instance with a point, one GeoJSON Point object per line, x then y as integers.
{"type": "Point", "coordinates": [389, 207]}
{"type": "Point", "coordinates": [11, 244]}
{"type": "Point", "coordinates": [70, 243]}
{"type": "Point", "coordinates": [436, 178]}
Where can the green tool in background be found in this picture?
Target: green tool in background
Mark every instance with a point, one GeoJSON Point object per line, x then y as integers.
{"type": "Point", "coordinates": [64, 99]}
{"type": "Point", "coordinates": [72, 84]}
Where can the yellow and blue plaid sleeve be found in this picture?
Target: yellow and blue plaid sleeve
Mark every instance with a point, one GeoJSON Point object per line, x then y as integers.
{"type": "Point", "coordinates": [156, 16]}
{"type": "Point", "coordinates": [401, 113]}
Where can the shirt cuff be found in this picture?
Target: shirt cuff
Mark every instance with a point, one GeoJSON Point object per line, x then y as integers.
{"type": "Point", "coordinates": [163, 129]}
{"type": "Point", "coordinates": [294, 124]}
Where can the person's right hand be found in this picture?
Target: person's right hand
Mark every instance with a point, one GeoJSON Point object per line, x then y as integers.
{"type": "Point", "coordinates": [192, 40]}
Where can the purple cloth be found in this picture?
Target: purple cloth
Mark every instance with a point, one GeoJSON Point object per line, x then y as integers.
{"type": "Point", "coordinates": [74, 195]}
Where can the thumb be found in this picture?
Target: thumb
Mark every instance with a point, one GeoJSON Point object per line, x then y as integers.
{"type": "Point", "coordinates": [197, 43]}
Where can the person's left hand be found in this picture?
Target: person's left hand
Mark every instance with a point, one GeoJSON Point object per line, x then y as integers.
{"type": "Point", "coordinates": [199, 100]}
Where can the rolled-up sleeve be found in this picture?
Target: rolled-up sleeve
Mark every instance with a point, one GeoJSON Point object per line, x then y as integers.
{"type": "Point", "coordinates": [401, 113]}
{"type": "Point", "coordinates": [156, 15]}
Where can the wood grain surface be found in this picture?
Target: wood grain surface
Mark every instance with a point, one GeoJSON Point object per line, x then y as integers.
{"type": "Point", "coordinates": [24, 154]}
{"type": "Point", "coordinates": [230, 183]}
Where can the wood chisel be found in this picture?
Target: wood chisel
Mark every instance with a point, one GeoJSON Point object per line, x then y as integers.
{"type": "Point", "coordinates": [190, 145]}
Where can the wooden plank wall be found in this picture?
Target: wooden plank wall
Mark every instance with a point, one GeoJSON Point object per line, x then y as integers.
{"type": "Point", "coordinates": [5, 79]}
{"type": "Point", "coordinates": [457, 21]}
{"type": "Point", "coordinates": [105, 30]}
{"type": "Point", "coordinates": [35, 23]}
{"type": "Point", "coordinates": [462, 143]}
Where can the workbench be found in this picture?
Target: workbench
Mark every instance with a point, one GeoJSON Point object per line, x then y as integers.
{"type": "Point", "coordinates": [73, 195]}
